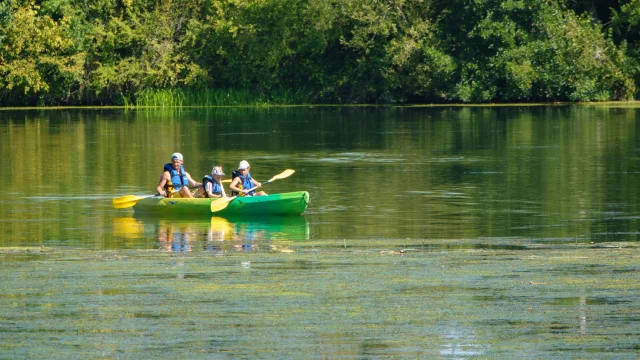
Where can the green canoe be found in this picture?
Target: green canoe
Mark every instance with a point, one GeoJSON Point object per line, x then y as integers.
{"type": "Point", "coordinates": [293, 203]}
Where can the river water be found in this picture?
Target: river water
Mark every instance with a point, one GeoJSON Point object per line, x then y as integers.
{"type": "Point", "coordinates": [453, 232]}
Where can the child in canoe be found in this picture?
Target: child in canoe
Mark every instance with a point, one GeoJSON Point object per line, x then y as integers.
{"type": "Point", "coordinates": [243, 184]}
{"type": "Point", "coordinates": [212, 184]}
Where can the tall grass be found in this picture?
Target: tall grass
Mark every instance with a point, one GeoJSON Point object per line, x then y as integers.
{"type": "Point", "coordinates": [214, 97]}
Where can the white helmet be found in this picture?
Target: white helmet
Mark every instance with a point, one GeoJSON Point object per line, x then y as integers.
{"type": "Point", "coordinates": [243, 165]}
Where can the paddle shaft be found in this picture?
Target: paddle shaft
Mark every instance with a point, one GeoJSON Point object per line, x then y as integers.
{"type": "Point", "coordinates": [255, 187]}
{"type": "Point", "coordinates": [128, 201]}
{"type": "Point", "coordinates": [282, 175]}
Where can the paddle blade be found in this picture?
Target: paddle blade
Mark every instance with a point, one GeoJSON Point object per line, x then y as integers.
{"type": "Point", "coordinates": [218, 205]}
{"type": "Point", "coordinates": [124, 202]}
{"type": "Point", "coordinates": [282, 175]}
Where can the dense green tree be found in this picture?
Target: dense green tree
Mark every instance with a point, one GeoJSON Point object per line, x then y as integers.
{"type": "Point", "coordinates": [37, 61]}
{"type": "Point", "coordinates": [136, 46]}
{"type": "Point", "coordinates": [343, 51]}
{"type": "Point", "coordinates": [386, 52]}
{"type": "Point", "coordinates": [625, 28]}
{"type": "Point", "coordinates": [523, 50]}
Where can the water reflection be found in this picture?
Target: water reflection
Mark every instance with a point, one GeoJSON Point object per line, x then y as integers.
{"type": "Point", "coordinates": [215, 234]}
{"type": "Point", "coordinates": [128, 227]}
{"type": "Point", "coordinates": [459, 342]}
{"type": "Point", "coordinates": [512, 173]}
{"type": "Point", "coordinates": [583, 315]}
{"type": "Point", "coordinates": [584, 310]}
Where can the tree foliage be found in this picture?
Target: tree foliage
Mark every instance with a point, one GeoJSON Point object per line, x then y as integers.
{"type": "Point", "coordinates": [339, 51]}
{"type": "Point", "coordinates": [37, 61]}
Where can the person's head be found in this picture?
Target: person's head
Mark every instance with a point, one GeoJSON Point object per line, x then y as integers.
{"type": "Point", "coordinates": [217, 173]}
{"type": "Point", "coordinates": [177, 160]}
{"type": "Point", "coordinates": [244, 167]}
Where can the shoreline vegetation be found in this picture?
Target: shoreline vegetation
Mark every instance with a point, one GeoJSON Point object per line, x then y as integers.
{"type": "Point", "coordinates": [289, 52]}
{"type": "Point", "coordinates": [614, 104]}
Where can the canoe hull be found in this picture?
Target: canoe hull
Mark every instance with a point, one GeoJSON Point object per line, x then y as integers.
{"type": "Point", "coordinates": [293, 203]}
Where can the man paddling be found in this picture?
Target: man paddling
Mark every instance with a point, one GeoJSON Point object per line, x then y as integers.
{"type": "Point", "coordinates": [174, 181]}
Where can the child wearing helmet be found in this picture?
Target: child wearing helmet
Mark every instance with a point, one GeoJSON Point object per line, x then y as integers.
{"type": "Point", "coordinates": [243, 184]}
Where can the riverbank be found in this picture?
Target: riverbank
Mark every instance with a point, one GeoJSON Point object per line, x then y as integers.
{"type": "Point", "coordinates": [620, 104]}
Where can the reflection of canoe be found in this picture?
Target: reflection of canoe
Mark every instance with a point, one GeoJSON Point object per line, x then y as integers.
{"type": "Point", "coordinates": [293, 203]}
{"type": "Point", "coordinates": [234, 228]}
{"type": "Point", "coordinates": [292, 228]}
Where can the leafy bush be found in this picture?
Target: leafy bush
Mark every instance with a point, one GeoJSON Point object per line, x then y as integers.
{"type": "Point", "coordinates": [301, 51]}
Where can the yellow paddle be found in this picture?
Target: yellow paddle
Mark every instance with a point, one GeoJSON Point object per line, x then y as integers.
{"type": "Point", "coordinates": [222, 204]}
{"type": "Point", "coordinates": [128, 201]}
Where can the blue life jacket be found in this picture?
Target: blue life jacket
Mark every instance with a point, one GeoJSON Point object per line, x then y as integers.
{"type": "Point", "coordinates": [178, 179]}
{"type": "Point", "coordinates": [216, 187]}
{"type": "Point", "coordinates": [246, 183]}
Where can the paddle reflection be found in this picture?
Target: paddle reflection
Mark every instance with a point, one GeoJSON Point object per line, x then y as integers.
{"type": "Point", "coordinates": [128, 227]}
{"type": "Point", "coordinates": [215, 234]}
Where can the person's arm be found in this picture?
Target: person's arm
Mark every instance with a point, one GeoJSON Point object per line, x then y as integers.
{"type": "Point", "coordinates": [234, 186]}
{"type": "Point", "coordinates": [163, 181]}
{"type": "Point", "coordinates": [256, 183]}
{"type": "Point", "coordinates": [191, 181]}
{"type": "Point", "coordinates": [224, 194]}
{"type": "Point", "coordinates": [209, 190]}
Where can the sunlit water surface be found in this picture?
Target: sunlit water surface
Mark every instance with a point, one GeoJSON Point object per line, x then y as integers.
{"type": "Point", "coordinates": [463, 232]}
